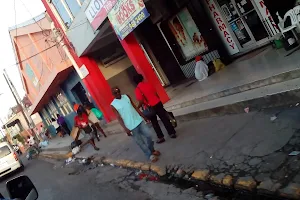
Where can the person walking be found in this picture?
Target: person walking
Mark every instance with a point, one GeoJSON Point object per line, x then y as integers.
{"type": "Point", "coordinates": [62, 123]}
{"type": "Point", "coordinates": [94, 119]}
{"type": "Point", "coordinates": [131, 119]}
{"type": "Point", "coordinates": [148, 98]}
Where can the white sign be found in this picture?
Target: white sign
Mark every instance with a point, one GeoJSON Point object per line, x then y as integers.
{"type": "Point", "coordinates": [84, 72]}
{"type": "Point", "coordinates": [221, 27]}
{"type": "Point", "coordinates": [98, 10]}
{"type": "Point", "coordinates": [265, 13]}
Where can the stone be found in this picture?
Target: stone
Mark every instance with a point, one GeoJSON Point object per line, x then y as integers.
{"type": "Point", "coordinates": [291, 191]}
{"type": "Point", "coordinates": [239, 159]}
{"type": "Point", "coordinates": [227, 181]}
{"type": "Point", "coordinates": [180, 173]}
{"type": "Point", "coordinates": [269, 186]}
{"type": "Point", "coordinates": [122, 163]}
{"type": "Point", "coordinates": [130, 164]}
{"type": "Point", "coordinates": [254, 161]}
{"type": "Point", "coordinates": [262, 177]}
{"type": "Point", "coordinates": [294, 141]}
{"type": "Point", "coordinates": [246, 183]}
{"type": "Point", "coordinates": [201, 175]}
{"type": "Point", "coordinates": [161, 171]}
{"type": "Point", "coordinates": [109, 161]}
{"type": "Point", "coordinates": [145, 167]}
{"type": "Point", "coordinates": [217, 179]}
{"type": "Point", "coordinates": [138, 165]}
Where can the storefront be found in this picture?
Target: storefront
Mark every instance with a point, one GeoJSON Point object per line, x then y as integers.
{"type": "Point", "coordinates": [177, 31]}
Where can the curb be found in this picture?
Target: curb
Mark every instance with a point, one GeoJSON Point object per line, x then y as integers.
{"type": "Point", "coordinates": [248, 184]}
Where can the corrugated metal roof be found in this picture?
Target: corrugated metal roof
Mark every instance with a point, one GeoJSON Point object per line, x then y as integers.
{"type": "Point", "coordinates": [29, 22]}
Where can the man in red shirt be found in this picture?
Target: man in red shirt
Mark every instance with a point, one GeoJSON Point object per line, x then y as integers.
{"type": "Point", "coordinates": [147, 96]}
{"type": "Point", "coordinates": [83, 123]}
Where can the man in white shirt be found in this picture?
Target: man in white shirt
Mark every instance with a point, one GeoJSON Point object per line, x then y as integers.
{"type": "Point", "coordinates": [201, 69]}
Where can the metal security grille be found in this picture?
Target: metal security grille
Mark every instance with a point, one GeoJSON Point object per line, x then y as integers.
{"type": "Point", "coordinates": [189, 68]}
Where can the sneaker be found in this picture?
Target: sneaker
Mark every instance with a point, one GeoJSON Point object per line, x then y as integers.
{"type": "Point", "coordinates": [96, 148]}
{"type": "Point", "coordinates": [153, 159]}
{"type": "Point", "coordinates": [173, 136]}
{"type": "Point", "coordinates": [161, 140]}
{"type": "Point", "coordinates": [156, 153]}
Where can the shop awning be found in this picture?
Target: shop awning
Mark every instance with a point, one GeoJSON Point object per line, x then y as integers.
{"type": "Point", "coordinates": [50, 87]}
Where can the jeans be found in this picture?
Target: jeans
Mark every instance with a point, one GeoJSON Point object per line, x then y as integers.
{"type": "Point", "coordinates": [142, 136]}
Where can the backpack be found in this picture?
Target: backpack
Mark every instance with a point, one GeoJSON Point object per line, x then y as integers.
{"type": "Point", "coordinates": [98, 113]}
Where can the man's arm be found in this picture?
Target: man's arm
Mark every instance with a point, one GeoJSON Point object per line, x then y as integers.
{"type": "Point", "coordinates": [121, 121]}
{"type": "Point", "coordinates": [138, 110]}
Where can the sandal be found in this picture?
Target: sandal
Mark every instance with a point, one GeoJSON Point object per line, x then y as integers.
{"type": "Point", "coordinates": [161, 140]}
{"type": "Point", "coordinates": [153, 159]}
{"type": "Point", "coordinates": [156, 153]}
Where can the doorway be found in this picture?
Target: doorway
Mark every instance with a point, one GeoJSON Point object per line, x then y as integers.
{"type": "Point", "coordinates": [80, 93]}
{"type": "Point", "coordinates": [244, 21]}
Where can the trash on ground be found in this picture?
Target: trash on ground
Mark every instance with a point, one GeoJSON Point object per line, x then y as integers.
{"type": "Point", "coordinates": [273, 118]}
{"type": "Point", "coordinates": [44, 144]}
{"type": "Point", "coordinates": [70, 160]}
{"type": "Point", "coordinates": [294, 153]}
{"type": "Point", "coordinates": [297, 104]}
{"type": "Point", "coordinates": [247, 110]}
{"type": "Point", "coordinates": [76, 150]}
{"type": "Point", "coordinates": [208, 196]}
{"type": "Point", "coordinates": [144, 176]}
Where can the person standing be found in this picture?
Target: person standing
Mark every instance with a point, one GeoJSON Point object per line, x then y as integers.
{"type": "Point", "coordinates": [147, 97]}
{"type": "Point", "coordinates": [62, 123]}
{"type": "Point", "coordinates": [201, 69]}
{"type": "Point", "coordinates": [131, 119]}
{"type": "Point", "coordinates": [56, 125]}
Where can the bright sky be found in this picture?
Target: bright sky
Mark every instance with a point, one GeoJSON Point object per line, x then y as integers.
{"type": "Point", "coordinates": [8, 19]}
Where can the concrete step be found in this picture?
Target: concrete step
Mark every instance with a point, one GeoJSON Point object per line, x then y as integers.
{"type": "Point", "coordinates": [280, 78]}
{"type": "Point", "coordinates": [285, 93]}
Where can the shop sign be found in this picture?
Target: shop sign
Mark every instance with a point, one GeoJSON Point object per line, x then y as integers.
{"type": "Point", "coordinates": [127, 15]}
{"type": "Point", "coordinates": [266, 15]}
{"type": "Point", "coordinates": [222, 27]}
{"type": "Point", "coordinates": [98, 10]}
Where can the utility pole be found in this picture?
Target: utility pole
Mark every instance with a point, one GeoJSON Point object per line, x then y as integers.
{"type": "Point", "coordinates": [17, 98]}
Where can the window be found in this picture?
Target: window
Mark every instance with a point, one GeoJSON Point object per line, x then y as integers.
{"type": "Point", "coordinates": [63, 104]}
{"type": "Point", "coordinates": [67, 9]}
{"type": "Point", "coordinates": [62, 12]}
{"type": "Point", "coordinates": [52, 110]}
{"type": "Point", "coordinates": [73, 6]}
{"type": "Point", "coordinates": [187, 35]}
{"type": "Point", "coordinates": [46, 117]}
{"type": "Point", "coordinates": [31, 75]}
{"type": "Point", "coordinates": [4, 151]}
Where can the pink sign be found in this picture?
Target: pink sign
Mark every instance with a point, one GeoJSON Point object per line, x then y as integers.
{"type": "Point", "coordinates": [98, 10]}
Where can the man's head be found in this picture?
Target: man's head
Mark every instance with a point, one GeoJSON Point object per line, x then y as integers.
{"type": "Point", "coordinates": [138, 79]}
{"type": "Point", "coordinates": [87, 106]}
{"type": "Point", "coordinates": [53, 119]}
{"type": "Point", "coordinates": [116, 92]}
{"type": "Point", "coordinates": [198, 58]}
{"type": "Point", "coordinates": [57, 115]}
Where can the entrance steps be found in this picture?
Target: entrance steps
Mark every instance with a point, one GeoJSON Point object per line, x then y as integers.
{"type": "Point", "coordinates": [279, 90]}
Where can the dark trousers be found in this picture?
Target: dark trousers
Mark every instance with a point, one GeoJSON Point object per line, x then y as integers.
{"type": "Point", "coordinates": [66, 129]}
{"type": "Point", "coordinates": [163, 115]}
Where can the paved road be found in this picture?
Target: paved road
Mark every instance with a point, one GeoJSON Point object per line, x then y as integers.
{"type": "Point", "coordinates": [56, 184]}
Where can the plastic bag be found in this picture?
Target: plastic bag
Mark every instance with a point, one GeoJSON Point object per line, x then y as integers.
{"type": "Point", "coordinates": [218, 65]}
{"type": "Point", "coordinates": [98, 113]}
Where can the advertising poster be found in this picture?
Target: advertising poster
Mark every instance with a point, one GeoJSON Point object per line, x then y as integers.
{"type": "Point", "coordinates": [187, 35]}
{"type": "Point", "coordinates": [127, 15]}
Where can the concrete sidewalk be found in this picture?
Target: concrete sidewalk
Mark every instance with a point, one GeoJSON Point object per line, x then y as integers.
{"type": "Point", "coordinates": [242, 145]}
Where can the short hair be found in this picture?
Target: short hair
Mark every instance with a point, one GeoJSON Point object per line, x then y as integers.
{"type": "Point", "coordinates": [53, 119]}
{"type": "Point", "coordinates": [138, 79]}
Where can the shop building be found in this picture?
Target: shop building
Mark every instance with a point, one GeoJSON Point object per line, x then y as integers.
{"type": "Point", "coordinates": [49, 79]}
{"type": "Point", "coordinates": [109, 46]}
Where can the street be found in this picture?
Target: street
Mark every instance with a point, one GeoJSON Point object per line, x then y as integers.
{"type": "Point", "coordinates": [57, 184]}
{"type": "Point", "coordinates": [78, 181]}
